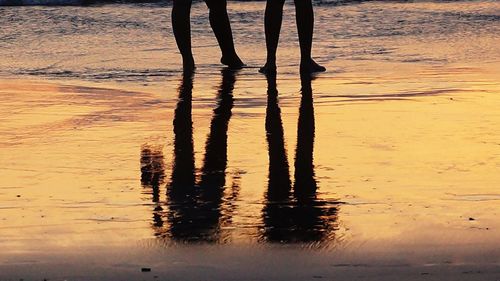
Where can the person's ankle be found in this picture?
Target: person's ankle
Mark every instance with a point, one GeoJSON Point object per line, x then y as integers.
{"type": "Point", "coordinates": [232, 60]}
{"type": "Point", "coordinates": [307, 59]}
{"type": "Point", "coordinates": [268, 68]}
{"type": "Point", "coordinates": [308, 65]}
{"type": "Point", "coordinates": [188, 63]}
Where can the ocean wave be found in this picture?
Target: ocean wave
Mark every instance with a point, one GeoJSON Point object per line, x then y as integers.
{"type": "Point", "coordinates": [119, 75]}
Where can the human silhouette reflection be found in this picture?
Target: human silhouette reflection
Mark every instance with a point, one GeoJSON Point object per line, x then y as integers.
{"type": "Point", "coordinates": [279, 185]}
{"type": "Point", "coordinates": [298, 216]}
{"type": "Point", "coordinates": [213, 171]}
{"type": "Point", "coordinates": [305, 183]}
{"type": "Point", "coordinates": [183, 169]}
{"type": "Point", "coordinates": [215, 161]}
{"type": "Point", "coordinates": [152, 163]}
{"type": "Point", "coordinates": [197, 209]}
{"type": "Point", "coordinates": [181, 188]}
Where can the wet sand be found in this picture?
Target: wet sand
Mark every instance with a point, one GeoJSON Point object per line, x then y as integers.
{"type": "Point", "coordinates": [385, 169]}
{"type": "Point", "coordinates": [411, 176]}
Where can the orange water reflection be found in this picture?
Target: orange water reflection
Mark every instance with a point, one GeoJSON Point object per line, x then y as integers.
{"type": "Point", "coordinates": [198, 208]}
{"type": "Point", "coordinates": [409, 169]}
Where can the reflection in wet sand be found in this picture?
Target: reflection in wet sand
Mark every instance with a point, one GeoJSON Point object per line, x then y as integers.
{"type": "Point", "coordinates": [181, 188]}
{"type": "Point", "coordinates": [198, 207]}
{"type": "Point", "coordinates": [212, 213]}
{"type": "Point", "coordinates": [305, 182]}
{"type": "Point", "coordinates": [196, 210]}
{"type": "Point", "coordinates": [279, 184]}
{"type": "Point", "coordinates": [406, 134]}
{"type": "Point", "coordinates": [300, 217]}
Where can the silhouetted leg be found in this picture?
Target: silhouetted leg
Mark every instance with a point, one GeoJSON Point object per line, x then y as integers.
{"type": "Point", "coordinates": [183, 169]}
{"type": "Point", "coordinates": [279, 175]}
{"type": "Point", "coordinates": [305, 27]}
{"type": "Point", "coordinates": [305, 183]}
{"type": "Point", "coordinates": [213, 173]}
{"type": "Point", "coordinates": [182, 31]}
{"type": "Point", "coordinates": [278, 209]}
{"type": "Point", "coordinates": [219, 20]}
{"type": "Point", "coordinates": [181, 188]}
{"type": "Point", "coordinates": [215, 162]}
{"type": "Point", "coordinates": [314, 218]}
{"type": "Point", "coordinates": [272, 25]}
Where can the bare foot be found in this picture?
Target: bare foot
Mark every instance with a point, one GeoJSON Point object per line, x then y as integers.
{"type": "Point", "coordinates": [233, 62]}
{"type": "Point", "coordinates": [268, 68]}
{"type": "Point", "coordinates": [310, 66]}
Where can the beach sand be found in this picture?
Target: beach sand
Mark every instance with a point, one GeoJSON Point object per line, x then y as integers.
{"type": "Point", "coordinates": [403, 148]}
{"type": "Point", "coordinates": [413, 176]}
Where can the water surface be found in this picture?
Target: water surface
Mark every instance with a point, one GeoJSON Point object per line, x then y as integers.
{"type": "Point", "coordinates": [391, 156]}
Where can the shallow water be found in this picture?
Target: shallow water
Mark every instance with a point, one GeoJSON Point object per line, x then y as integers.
{"type": "Point", "coordinates": [393, 154]}
{"type": "Point", "coordinates": [134, 42]}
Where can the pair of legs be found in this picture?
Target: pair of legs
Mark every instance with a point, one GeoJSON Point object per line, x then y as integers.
{"type": "Point", "coordinates": [305, 25]}
{"type": "Point", "coordinates": [219, 21]}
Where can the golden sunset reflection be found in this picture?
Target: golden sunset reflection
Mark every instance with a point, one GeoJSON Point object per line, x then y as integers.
{"type": "Point", "coordinates": [395, 167]}
{"type": "Point", "coordinates": [113, 160]}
